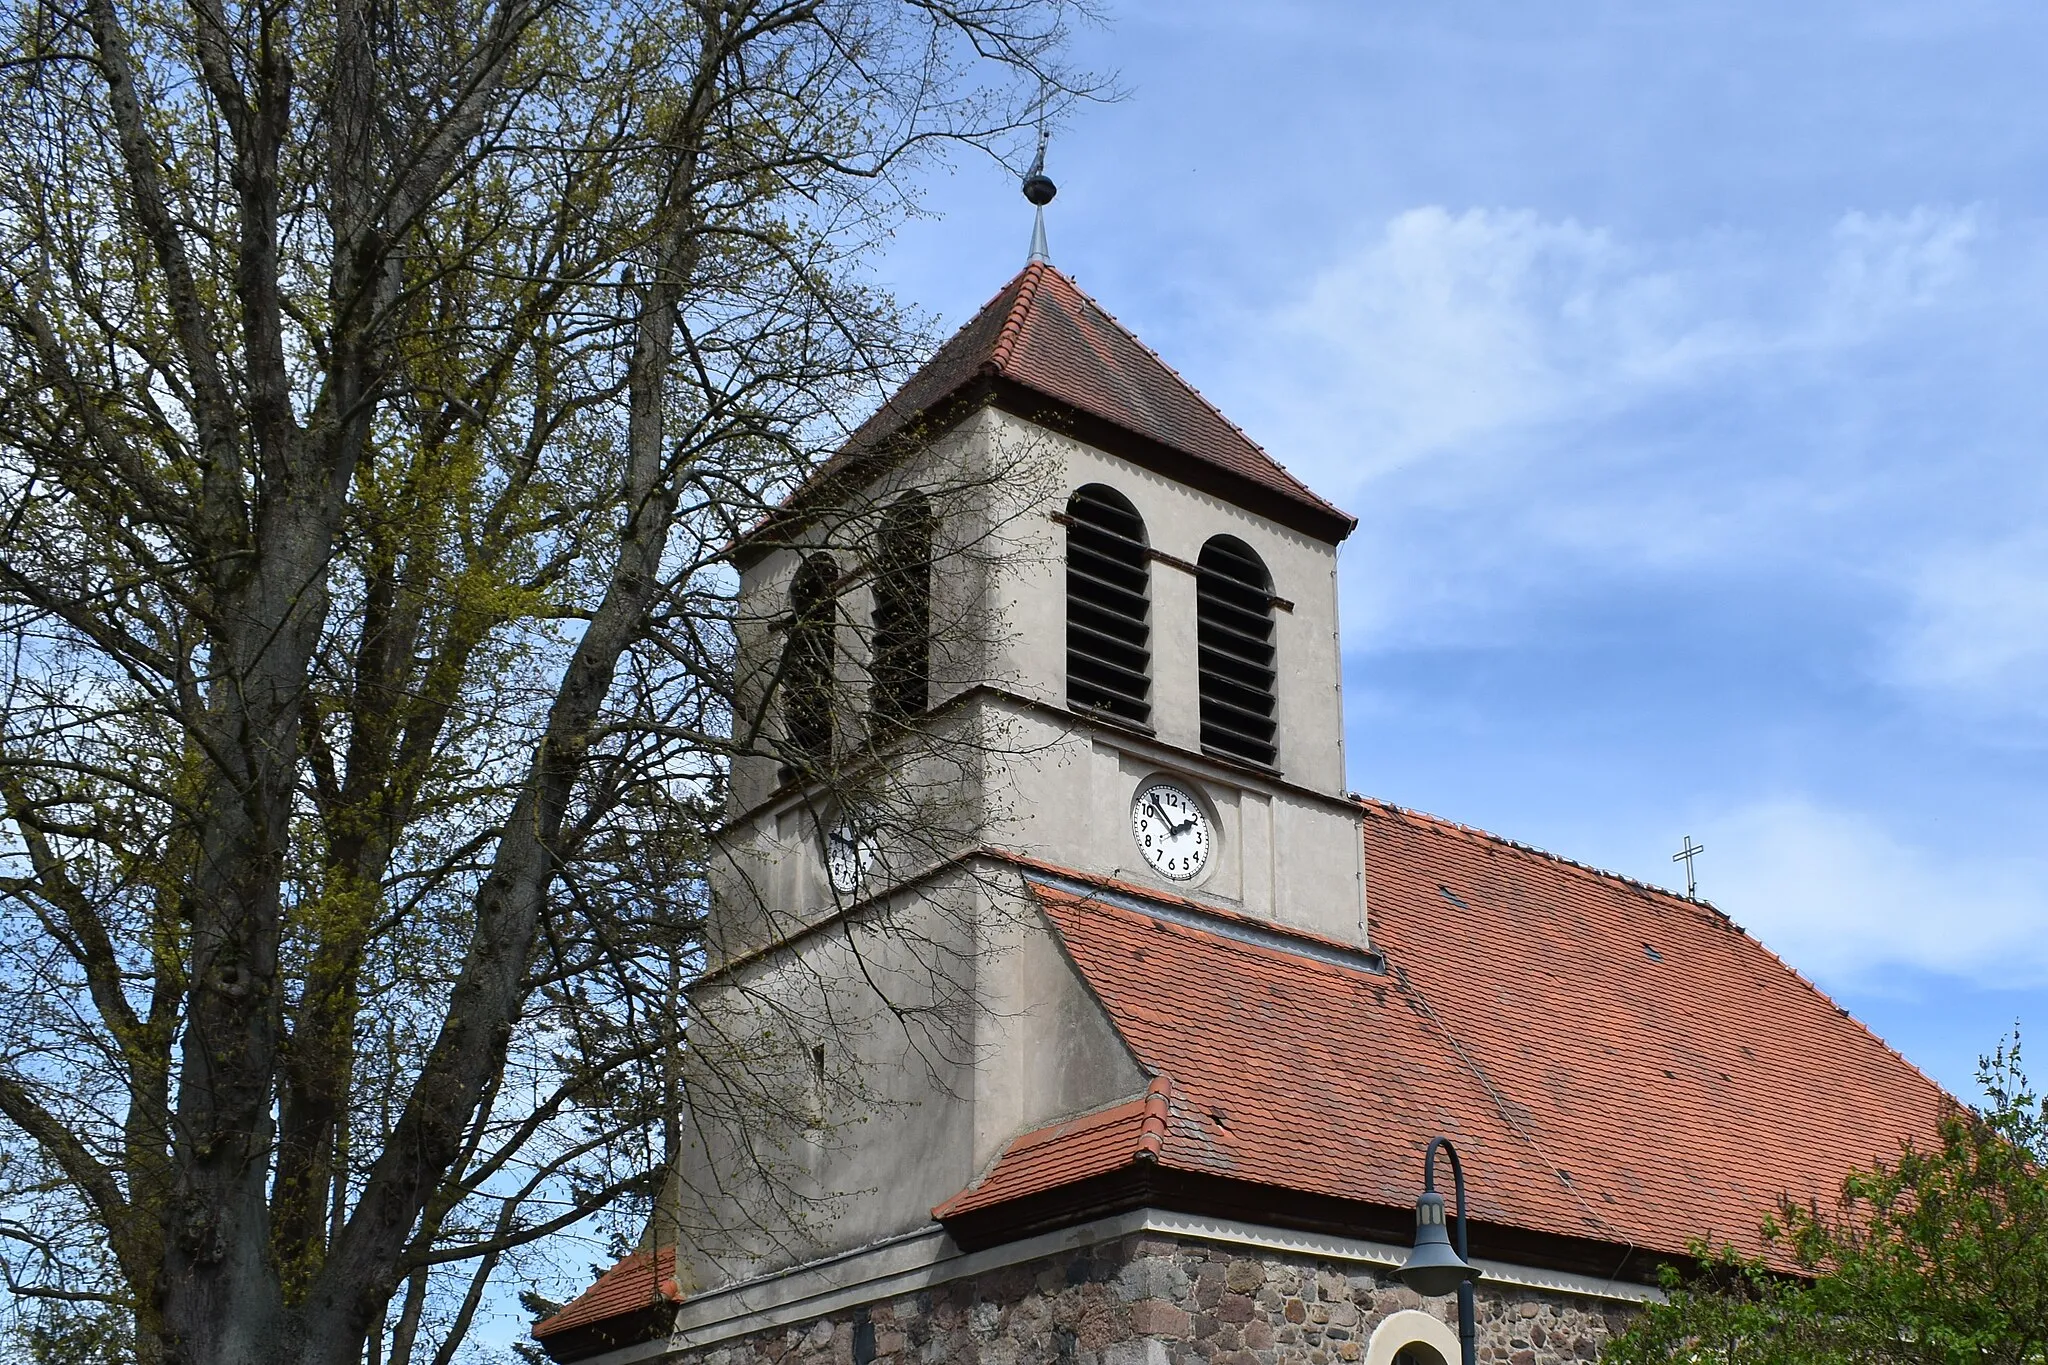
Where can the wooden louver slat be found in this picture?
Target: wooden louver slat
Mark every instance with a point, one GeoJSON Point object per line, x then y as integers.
{"type": "Point", "coordinates": [1234, 639]}
{"type": "Point", "coordinates": [1109, 631]}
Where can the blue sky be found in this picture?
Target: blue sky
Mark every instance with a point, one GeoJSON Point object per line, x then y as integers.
{"type": "Point", "coordinates": [1684, 365]}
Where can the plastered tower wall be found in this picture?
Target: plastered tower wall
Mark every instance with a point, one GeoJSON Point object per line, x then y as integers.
{"type": "Point", "coordinates": [897, 1041]}
{"type": "Point", "coordinates": [842, 1085]}
{"type": "Point", "coordinates": [1288, 846]}
{"type": "Point", "coordinates": [1017, 769]}
{"type": "Point", "coordinates": [969, 494]}
{"type": "Point", "coordinates": [1031, 586]}
{"type": "Point", "coordinates": [920, 790]}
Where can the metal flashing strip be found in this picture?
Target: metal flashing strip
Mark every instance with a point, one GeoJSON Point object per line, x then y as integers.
{"type": "Point", "coordinates": [629, 1355]}
{"type": "Point", "coordinates": [902, 1265]}
{"type": "Point", "coordinates": [1221, 923]}
{"type": "Point", "coordinates": [1386, 1254]}
{"type": "Point", "coordinates": [919, 1260]}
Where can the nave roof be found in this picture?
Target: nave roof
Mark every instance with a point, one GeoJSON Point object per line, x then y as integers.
{"type": "Point", "coordinates": [1618, 1065]}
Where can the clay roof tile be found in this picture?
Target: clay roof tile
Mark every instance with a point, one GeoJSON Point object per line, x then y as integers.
{"type": "Point", "coordinates": [633, 1285]}
{"type": "Point", "coordinates": [1043, 336]}
{"type": "Point", "coordinates": [1616, 1062]}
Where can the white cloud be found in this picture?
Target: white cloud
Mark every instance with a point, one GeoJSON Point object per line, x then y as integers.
{"type": "Point", "coordinates": [1516, 404]}
{"type": "Point", "coordinates": [1451, 327]}
{"type": "Point", "coordinates": [1977, 626]}
{"type": "Point", "coordinates": [1841, 898]}
{"type": "Point", "coordinates": [1885, 264]}
{"type": "Point", "coordinates": [1447, 331]}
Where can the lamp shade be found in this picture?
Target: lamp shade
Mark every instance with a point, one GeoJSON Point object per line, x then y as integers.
{"type": "Point", "coordinates": [1434, 1267]}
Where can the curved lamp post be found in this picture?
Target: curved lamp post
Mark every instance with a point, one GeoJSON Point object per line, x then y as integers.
{"type": "Point", "coordinates": [1434, 1267]}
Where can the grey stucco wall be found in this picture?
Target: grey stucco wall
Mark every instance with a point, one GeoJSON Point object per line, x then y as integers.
{"type": "Point", "coordinates": [1029, 579]}
{"type": "Point", "coordinates": [843, 1085]}
{"type": "Point", "coordinates": [1063, 790]}
{"type": "Point", "coordinates": [950, 1028]}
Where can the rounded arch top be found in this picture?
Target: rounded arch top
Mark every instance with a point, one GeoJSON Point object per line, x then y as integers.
{"type": "Point", "coordinates": [813, 580]}
{"type": "Point", "coordinates": [1231, 557]}
{"type": "Point", "coordinates": [1412, 1337]}
{"type": "Point", "coordinates": [1103, 506]}
{"type": "Point", "coordinates": [912, 502]}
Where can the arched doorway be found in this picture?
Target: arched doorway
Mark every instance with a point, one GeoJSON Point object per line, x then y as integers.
{"type": "Point", "coordinates": [1411, 1337]}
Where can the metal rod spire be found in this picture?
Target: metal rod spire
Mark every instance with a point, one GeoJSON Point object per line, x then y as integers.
{"type": "Point", "coordinates": [1039, 189]}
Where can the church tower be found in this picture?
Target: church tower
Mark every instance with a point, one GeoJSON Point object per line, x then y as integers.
{"type": "Point", "coordinates": [1041, 1018]}
{"type": "Point", "coordinates": [1136, 589]}
{"type": "Point", "coordinates": [1049, 616]}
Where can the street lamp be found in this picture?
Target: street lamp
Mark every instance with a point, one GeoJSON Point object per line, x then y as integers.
{"type": "Point", "coordinates": [1434, 1268]}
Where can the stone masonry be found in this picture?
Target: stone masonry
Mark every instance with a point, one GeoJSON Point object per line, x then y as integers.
{"type": "Point", "coordinates": [1147, 1300]}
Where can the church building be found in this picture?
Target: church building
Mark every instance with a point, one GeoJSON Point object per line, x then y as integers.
{"type": "Point", "coordinates": [1063, 1004]}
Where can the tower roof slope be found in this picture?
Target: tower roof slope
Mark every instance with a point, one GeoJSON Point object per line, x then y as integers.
{"type": "Point", "coordinates": [1042, 337]}
{"type": "Point", "coordinates": [1617, 1064]}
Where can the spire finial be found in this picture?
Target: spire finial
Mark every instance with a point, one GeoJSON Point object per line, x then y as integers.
{"type": "Point", "coordinates": [1039, 189]}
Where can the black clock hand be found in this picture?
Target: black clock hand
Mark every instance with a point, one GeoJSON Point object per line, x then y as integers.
{"type": "Point", "coordinates": [1172, 830]}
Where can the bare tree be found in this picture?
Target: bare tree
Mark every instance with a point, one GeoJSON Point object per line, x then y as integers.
{"type": "Point", "coordinates": [383, 383]}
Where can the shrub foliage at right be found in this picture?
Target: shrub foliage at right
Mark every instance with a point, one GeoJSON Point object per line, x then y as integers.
{"type": "Point", "coordinates": [1938, 1257]}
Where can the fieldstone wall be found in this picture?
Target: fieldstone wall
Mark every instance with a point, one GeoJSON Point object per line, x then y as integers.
{"type": "Point", "coordinates": [1150, 1301]}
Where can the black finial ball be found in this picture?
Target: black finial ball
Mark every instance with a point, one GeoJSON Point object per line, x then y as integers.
{"type": "Point", "coordinates": [1039, 189]}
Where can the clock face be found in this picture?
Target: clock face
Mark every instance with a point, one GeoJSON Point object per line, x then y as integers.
{"type": "Point", "coordinates": [848, 855]}
{"type": "Point", "coordinates": [1172, 831]}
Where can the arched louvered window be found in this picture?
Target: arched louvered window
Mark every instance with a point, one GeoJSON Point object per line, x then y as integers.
{"type": "Point", "coordinates": [1234, 634]}
{"type": "Point", "coordinates": [1109, 607]}
{"type": "Point", "coordinates": [809, 661]}
{"type": "Point", "coordinates": [903, 610]}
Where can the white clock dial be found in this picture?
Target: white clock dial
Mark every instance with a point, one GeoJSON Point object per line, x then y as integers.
{"type": "Point", "coordinates": [848, 855]}
{"type": "Point", "coordinates": [1172, 831]}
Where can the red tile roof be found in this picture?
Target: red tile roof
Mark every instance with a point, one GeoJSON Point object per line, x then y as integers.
{"type": "Point", "coordinates": [634, 1285]}
{"type": "Point", "coordinates": [1041, 335]}
{"type": "Point", "coordinates": [1135, 1130]}
{"type": "Point", "coordinates": [1615, 1063]}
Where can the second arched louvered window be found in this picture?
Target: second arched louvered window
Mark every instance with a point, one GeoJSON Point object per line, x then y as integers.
{"type": "Point", "coordinates": [1234, 634]}
{"type": "Point", "coordinates": [903, 610]}
{"type": "Point", "coordinates": [1109, 607]}
{"type": "Point", "coordinates": [810, 662]}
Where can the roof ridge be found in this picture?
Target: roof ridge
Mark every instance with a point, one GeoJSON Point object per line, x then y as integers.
{"type": "Point", "coordinates": [1043, 339]}
{"type": "Point", "coordinates": [1572, 864]}
{"type": "Point", "coordinates": [1013, 322]}
{"type": "Point", "coordinates": [1182, 379]}
{"type": "Point", "coordinates": [1588, 870]}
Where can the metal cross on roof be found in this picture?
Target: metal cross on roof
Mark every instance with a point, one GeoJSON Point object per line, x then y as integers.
{"type": "Point", "coordinates": [1686, 855]}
